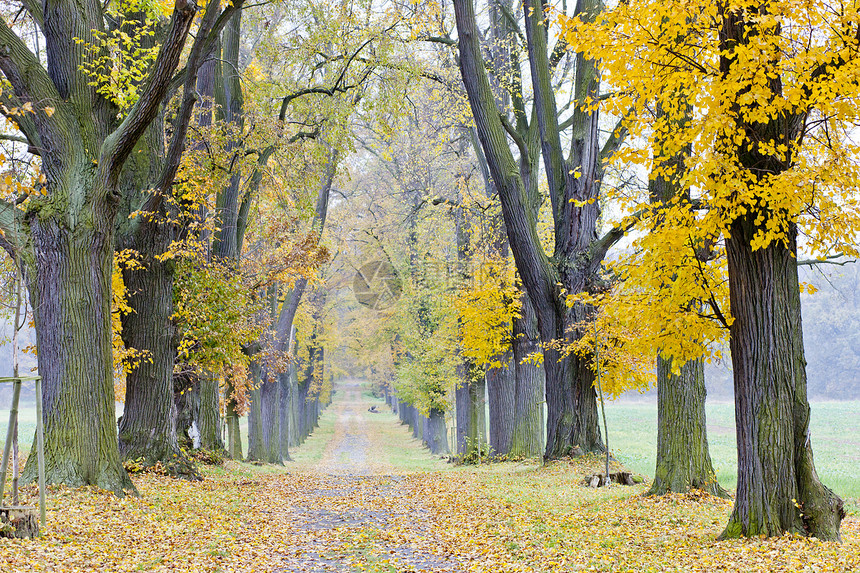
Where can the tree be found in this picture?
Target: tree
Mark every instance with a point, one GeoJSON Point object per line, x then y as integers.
{"type": "Point", "coordinates": [83, 139]}
{"type": "Point", "coordinates": [573, 180]}
{"type": "Point", "coordinates": [771, 158]}
{"type": "Point", "coordinates": [149, 222]}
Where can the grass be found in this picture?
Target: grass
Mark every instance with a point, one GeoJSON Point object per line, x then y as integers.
{"type": "Point", "coordinates": [26, 425]}
{"type": "Point", "coordinates": [523, 517]}
{"type": "Point", "coordinates": [312, 449]}
{"type": "Point", "coordinates": [835, 428]}
{"type": "Point", "coordinates": [397, 447]}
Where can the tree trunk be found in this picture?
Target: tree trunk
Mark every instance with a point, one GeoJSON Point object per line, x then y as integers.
{"type": "Point", "coordinates": [501, 395]}
{"type": "Point", "coordinates": [778, 489]}
{"type": "Point", "coordinates": [270, 399]}
{"type": "Point", "coordinates": [527, 438]}
{"type": "Point", "coordinates": [572, 418]}
{"type": "Point", "coordinates": [186, 396]}
{"type": "Point", "coordinates": [302, 409]}
{"type": "Point", "coordinates": [437, 432]}
{"type": "Point", "coordinates": [417, 424]}
{"type": "Point", "coordinates": [468, 397]}
{"type": "Point", "coordinates": [147, 429]}
{"type": "Point", "coordinates": [71, 297]}
{"type": "Point", "coordinates": [231, 418]}
{"type": "Point", "coordinates": [256, 445]}
{"type": "Point", "coordinates": [683, 460]}
{"type": "Point", "coordinates": [284, 402]}
{"type": "Point", "coordinates": [295, 439]}
{"type": "Point", "coordinates": [468, 445]}
{"type": "Point", "coordinates": [209, 416]}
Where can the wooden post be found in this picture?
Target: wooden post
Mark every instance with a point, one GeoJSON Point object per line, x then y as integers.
{"type": "Point", "coordinates": [40, 439]}
{"type": "Point", "coordinates": [13, 418]}
{"type": "Point", "coordinates": [602, 408]}
{"type": "Point", "coordinates": [40, 445]}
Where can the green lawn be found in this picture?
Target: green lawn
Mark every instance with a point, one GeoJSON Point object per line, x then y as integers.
{"type": "Point", "coordinates": [26, 424]}
{"type": "Point", "coordinates": [835, 440]}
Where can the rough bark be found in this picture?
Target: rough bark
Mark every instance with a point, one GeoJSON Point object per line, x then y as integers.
{"type": "Point", "coordinates": [683, 460]}
{"type": "Point", "coordinates": [209, 415]}
{"type": "Point", "coordinates": [501, 398]}
{"type": "Point", "coordinates": [464, 441]}
{"type": "Point", "coordinates": [295, 439]}
{"type": "Point", "coordinates": [527, 438]}
{"type": "Point", "coordinates": [71, 300]}
{"type": "Point", "coordinates": [231, 420]}
{"type": "Point", "coordinates": [270, 399]}
{"type": "Point", "coordinates": [147, 429]}
{"type": "Point", "coordinates": [778, 489]}
{"type": "Point", "coordinates": [256, 448]}
{"type": "Point", "coordinates": [285, 388]}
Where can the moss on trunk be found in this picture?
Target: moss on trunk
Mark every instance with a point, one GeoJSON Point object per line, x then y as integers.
{"type": "Point", "coordinates": [71, 297]}
{"type": "Point", "coordinates": [683, 459]}
{"type": "Point", "coordinates": [778, 489]}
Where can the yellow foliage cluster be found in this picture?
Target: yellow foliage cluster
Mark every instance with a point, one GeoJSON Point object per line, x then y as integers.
{"type": "Point", "coordinates": [486, 307]}
{"type": "Point", "coordinates": [124, 359]}
{"type": "Point", "coordinates": [684, 98]}
{"type": "Point", "coordinates": [117, 62]}
{"type": "Point", "coordinates": [797, 65]}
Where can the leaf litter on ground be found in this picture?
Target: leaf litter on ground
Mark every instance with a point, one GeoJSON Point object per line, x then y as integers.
{"type": "Point", "coordinates": [361, 505]}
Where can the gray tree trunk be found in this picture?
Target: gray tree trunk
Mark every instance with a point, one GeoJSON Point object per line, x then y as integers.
{"type": "Point", "coordinates": [147, 429]}
{"type": "Point", "coordinates": [71, 301]}
{"type": "Point", "coordinates": [527, 438]}
{"type": "Point", "coordinates": [270, 398]}
{"type": "Point", "coordinates": [778, 488]}
{"type": "Point", "coordinates": [256, 446]}
{"type": "Point", "coordinates": [683, 460]}
{"type": "Point", "coordinates": [501, 396]}
{"type": "Point", "coordinates": [209, 417]}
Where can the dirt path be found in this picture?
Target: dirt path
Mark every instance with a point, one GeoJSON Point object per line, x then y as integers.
{"type": "Point", "coordinates": [351, 511]}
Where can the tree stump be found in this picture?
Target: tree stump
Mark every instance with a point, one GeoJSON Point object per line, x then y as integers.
{"type": "Point", "coordinates": [599, 480]}
{"type": "Point", "coordinates": [19, 521]}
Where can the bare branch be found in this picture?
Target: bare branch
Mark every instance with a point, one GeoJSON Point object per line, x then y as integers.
{"type": "Point", "coordinates": [23, 69]}
{"type": "Point", "coordinates": [446, 40]}
{"type": "Point", "coordinates": [518, 139]}
{"type": "Point", "coordinates": [828, 260]}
